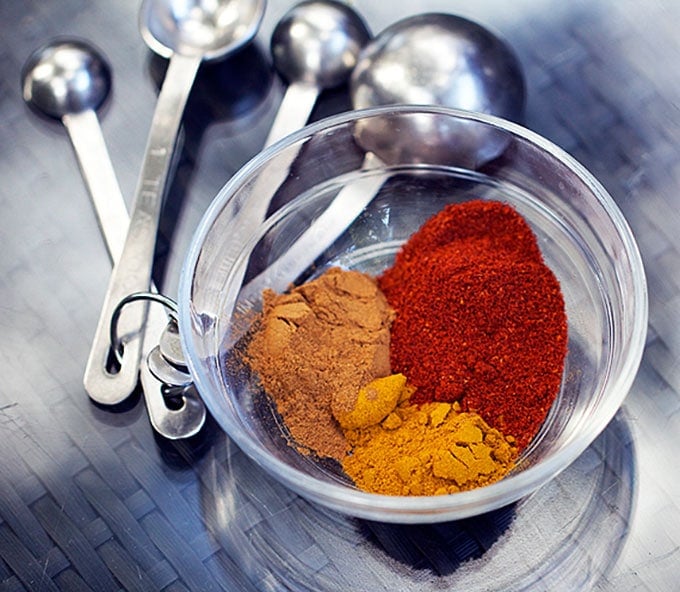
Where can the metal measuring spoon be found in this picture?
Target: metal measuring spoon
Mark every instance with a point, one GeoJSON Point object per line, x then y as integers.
{"type": "Point", "coordinates": [68, 80]}
{"type": "Point", "coordinates": [429, 59]}
{"type": "Point", "coordinates": [314, 46]}
{"type": "Point", "coordinates": [438, 59]}
{"type": "Point", "coordinates": [188, 32]}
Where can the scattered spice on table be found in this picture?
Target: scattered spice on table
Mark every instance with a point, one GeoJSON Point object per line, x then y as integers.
{"type": "Point", "coordinates": [433, 377]}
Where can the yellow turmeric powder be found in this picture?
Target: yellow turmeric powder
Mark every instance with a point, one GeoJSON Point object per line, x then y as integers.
{"type": "Point", "coordinates": [373, 403]}
{"type": "Point", "coordinates": [430, 449]}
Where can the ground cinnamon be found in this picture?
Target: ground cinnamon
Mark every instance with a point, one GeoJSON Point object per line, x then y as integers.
{"type": "Point", "coordinates": [316, 347]}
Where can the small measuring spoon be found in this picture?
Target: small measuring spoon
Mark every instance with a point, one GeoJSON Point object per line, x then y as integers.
{"type": "Point", "coordinates": [69, 80]}
{"type": "Point", "coordinates": [314, 46]}
{"type": "Point", "coordinates": [188, 32]}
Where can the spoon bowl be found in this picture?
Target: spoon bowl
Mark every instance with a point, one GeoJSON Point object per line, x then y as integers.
{"type": "Point", "coordinates": [318, 42]}
{"type": "Point", "coordinates": [65, 77]}
{"type": "Point", "coordinates": [438, 59]}
{"type": "Point", "coordinates": [199, 27]}
{"type": "Point", "coordinates": [314, 47]}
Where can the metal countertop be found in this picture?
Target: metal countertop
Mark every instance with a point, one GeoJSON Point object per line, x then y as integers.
{"type": "Point", "coordinates": [90, 498]}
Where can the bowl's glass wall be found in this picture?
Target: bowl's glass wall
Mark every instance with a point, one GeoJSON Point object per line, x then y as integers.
{"type": "Point", "coordinates": [583, 237]}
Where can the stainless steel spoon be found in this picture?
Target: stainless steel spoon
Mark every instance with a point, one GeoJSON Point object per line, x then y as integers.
{"type": "Point", "coordinates": [429, 59]}
{"type": "Point", "coordinates": [314, 46]}
{"type": "Point", "coordinates": [439, 59]}
{"type": "Point", "coordinates": [69, 80]}
{"type": "Point", "coordinates": [188, 32]}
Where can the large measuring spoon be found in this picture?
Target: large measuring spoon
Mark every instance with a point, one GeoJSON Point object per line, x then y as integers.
{"type": "Point", "coordinates": [68, 80]}
{"type": "Point", "coordinates": [314, 46]}
{"type": "Point", "coordinates": [429, 59]}
{"type": "Point", "coordinates": [188, 32]}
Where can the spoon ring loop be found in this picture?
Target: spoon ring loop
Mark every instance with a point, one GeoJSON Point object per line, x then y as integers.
{"type": "Point", "coordinates": [116, 342]}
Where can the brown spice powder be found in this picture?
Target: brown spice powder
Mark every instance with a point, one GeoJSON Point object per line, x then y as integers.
{"type": "Point", "coordinates": [315, 347]}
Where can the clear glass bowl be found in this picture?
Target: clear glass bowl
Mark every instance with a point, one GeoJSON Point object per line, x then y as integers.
{"type": "Point", "coordinates": [386, 191]}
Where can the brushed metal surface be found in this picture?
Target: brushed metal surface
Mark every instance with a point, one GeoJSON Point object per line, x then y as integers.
{"type": "Point", "coordinates": [90, 498]}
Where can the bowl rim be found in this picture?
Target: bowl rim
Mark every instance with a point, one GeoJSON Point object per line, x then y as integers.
{"type": "Point", "coordinates": [420, 509]}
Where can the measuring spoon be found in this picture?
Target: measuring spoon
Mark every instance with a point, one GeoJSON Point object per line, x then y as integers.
{"type": "Point", "coordinates": [69, 80]}
{"type": "Point", "coordinates": [188, 32]}
{"type": "Point", "coordinates": [314, 46]}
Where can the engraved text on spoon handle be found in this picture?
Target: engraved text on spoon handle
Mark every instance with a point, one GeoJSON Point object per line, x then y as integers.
{"type": "Point", "coordinates": [132, 273]}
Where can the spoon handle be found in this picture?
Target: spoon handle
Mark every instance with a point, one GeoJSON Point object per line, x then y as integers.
{"type": "Point", "coordinates": [345, 207]}
{"type": "Point", "coordinates": [294, 110]}
{"type": "Point", "coordinates": [132, 272]}
{"type": "Point", "coordinates": [97, 171]}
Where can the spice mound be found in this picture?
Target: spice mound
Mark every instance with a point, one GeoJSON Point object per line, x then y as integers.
{"type": "Point", "coordinates": [432, 378]}
{"type": "Point", "coordinates": [428, 449]}
{"type": "Point", "coordinates": [480, 318]}
{"type": "Point", "coordinates": [316, 347]}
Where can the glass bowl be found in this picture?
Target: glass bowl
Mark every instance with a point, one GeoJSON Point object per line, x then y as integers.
{"type": "Point", "coordinates": [379, 190]}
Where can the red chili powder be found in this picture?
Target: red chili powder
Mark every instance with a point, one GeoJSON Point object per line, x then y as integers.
{"type": "Point", "coordinates": [480, 318]}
